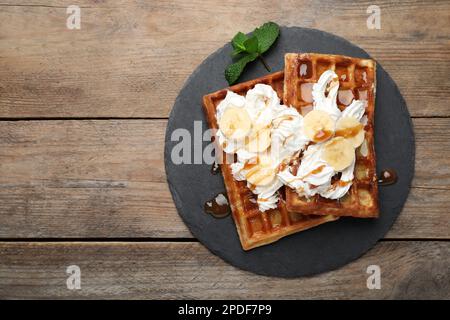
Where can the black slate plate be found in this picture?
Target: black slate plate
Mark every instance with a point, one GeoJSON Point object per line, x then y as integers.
{"type": "Point", "coordinates": [320, 249]}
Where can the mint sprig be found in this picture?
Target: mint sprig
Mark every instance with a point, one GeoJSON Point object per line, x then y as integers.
{"type": "Point", "coordinates": [234, 70]}
{"type": "Point", "coordinates": [266, 35]}
{"type": "Point", "coordinates": [246, 49]}
{"type": "Point", "coordinates": [238, 42]}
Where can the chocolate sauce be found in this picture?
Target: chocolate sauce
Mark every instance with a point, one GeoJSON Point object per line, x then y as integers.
{"type": "Point", "coordinates": [215, 168]}
{"type": "Point", "coordinates": [387, 177]}
{"type": "Point", "coordinates": [218, 206]}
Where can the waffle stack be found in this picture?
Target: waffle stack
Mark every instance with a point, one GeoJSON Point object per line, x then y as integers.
{"type": "Point", "coordinates": [357, 79]}
{"type": "Point", "coordinates": [256, 228]}
{"type": "Point", "coordinates": [294, 214]}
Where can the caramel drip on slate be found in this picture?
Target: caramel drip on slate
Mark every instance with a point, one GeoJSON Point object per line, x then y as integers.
{"type": "Point", "coordinates": [217, 210]}
{"type": "Point", "coordinates": [387, 177]}
{"type": "Point", "coordinates": [215, 168]}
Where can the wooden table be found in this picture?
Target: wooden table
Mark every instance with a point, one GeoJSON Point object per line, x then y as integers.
{"type": "Point", "coordinates": [83, 116]}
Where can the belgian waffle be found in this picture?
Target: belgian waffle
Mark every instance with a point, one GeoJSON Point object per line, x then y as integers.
{"type": "Point", "coordinates": [357, 78]}
{"type": "Point", "coordinates": [256, 228]}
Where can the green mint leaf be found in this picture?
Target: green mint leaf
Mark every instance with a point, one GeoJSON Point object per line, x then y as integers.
{"type": "Point", "coordinates": [236, 53]}
{"type": "Point", "coordinates": [238, 41]}
{"type": "Point", "coordinates": [266, 35]}
{"type": "Point", "coordinates": [234, 70]}
{"type": "Point", "coordinates": [251, 45]}
{"type": "Point", "coordinates": [248, 49]}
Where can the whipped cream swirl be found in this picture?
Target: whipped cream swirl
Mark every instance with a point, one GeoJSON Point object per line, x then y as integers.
{"type": "Point", "coordinates": [280, 125]}
{"type": "Point", "coordinates": [314, 175]}
{"type": "Point", "coordinates": [276, 134]}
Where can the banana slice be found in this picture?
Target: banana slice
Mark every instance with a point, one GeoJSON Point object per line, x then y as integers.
{"type": "Point", "coordinates": [350, 129]}
{"type": "Point", "coordinates": [262, 173]}
{"type": "Point", "coordinates": [259, 141]}
{"type": "Point", "coordinates": [235, 123]}
{"type": "Point", "coordinates": [338, 153]}
{"type": "Point", "coordinates": [318, 126]}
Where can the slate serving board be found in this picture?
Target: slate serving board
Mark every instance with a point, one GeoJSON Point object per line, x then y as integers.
{"type": "Point", "coordinates": [322, 248]}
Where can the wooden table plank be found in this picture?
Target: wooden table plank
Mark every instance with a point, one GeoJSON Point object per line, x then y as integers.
{"type": "Point", "coordinates": [187, 270]}
{"type": "Point", "coordinates": [106, 179]}
{"type": "Point", "coordinates": [130, 58]}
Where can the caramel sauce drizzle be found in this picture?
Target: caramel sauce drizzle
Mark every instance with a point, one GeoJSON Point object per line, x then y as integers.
{"type": "Point", "coordinates": [217, 210]}
{"type": "Point", "coordinates": [317, 170]}
{"type": "Point", "coordinates": [322, 135]}
{"type": "Point", "coordinates": [387, 177]}
{"type": "Point", "coordinates": [349, 132]}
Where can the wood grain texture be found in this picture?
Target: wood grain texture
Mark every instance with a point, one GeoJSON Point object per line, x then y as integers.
{"type": "Point", "coordinates": [188, 270]}
{"type": "Point", "coordinates": [106, 179]}
{"type": "Point", "coordinates": [130, 58]}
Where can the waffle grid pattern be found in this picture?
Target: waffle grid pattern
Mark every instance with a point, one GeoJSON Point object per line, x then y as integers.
{"type": "Point", "coordinates": [256, 228]}
{"type": "Point", "coordinates": [357, 79]}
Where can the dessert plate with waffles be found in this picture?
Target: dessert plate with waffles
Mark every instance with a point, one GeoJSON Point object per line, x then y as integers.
{"type": "Point", "coordinates": [313, 162]}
